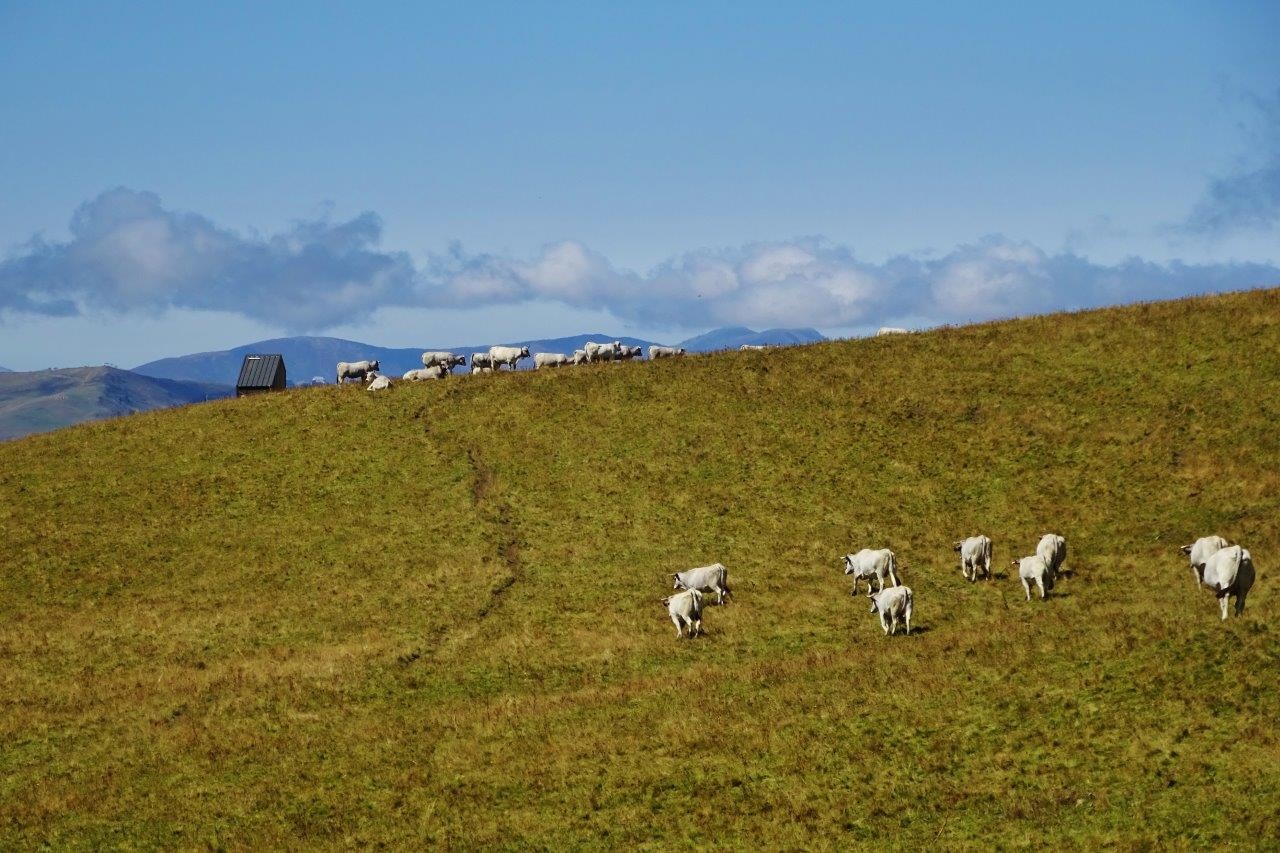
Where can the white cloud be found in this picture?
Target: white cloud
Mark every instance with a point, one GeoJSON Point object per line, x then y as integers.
{"type": "Point", "coordinates": [128, 254]}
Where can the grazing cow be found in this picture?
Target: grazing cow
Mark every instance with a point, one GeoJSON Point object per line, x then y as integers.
{"type": "Point", "coordinates": [664, 352]}
{"type": "Point", "coordinates": [975, 556]}
{"type": "Point", "coordinates": [1200, 551]}
{"type": "Point", "coordinates": [356, 370]}
{"type": "Point", "coordinates": [448, 359]}
{"type": "Point", "coordinates": [685, 609]}
{"type": "Point", "coordinates": [712, 578]}
{"type": "Point", "coordinates": [750, 347]}
{"type": "Point", "coordinates": [893, 604]}
{"type": "Point", "coordinates": [480, 359]}
{"type": "Point", "coordinates": [626, 353]}
{"type": "Point", "coordinates": [601, 352]}
{"type": "Point", "coordinates": [379, 383]}
{"type": "Point", "coordinates": [499, 356]}
{"type": "Point", "coordinates": [579, 357]}
{"type": "Point", "coordinates": [435, 371]}
{"type": "Point", "coordinates": [549, 359]}
{"type": "Point", "coordinates": [1035, 570]}
{"type": "Point", "coordinates": [1229, 571]}
{"type": "Point", "coordinates": [872, 564]}
{"type": "Point", "coordinates": [1053, 548]}
{"type": "Point", "coordinates": [891, 330]}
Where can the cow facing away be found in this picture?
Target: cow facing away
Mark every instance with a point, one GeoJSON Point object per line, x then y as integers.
{"type": "Point", "coordinates": [1053, 548]}
{"type": "Point", "coordinates": [1200, 551]}
{"type": "Point", "coordinates": [1229, 571]}
{"type": "Point", "coordinates": [479, 361]}
{"type": "Point", "coordinates": [712, 578]}
{"type": "Point", "coordinates": [356, 370]}
{"type": "Point", "coordinates": [975, 557]}
{"type": "Point", "coordinates": [579, 357]}
{"type": "Point", "coordinates": [685, 610]}
{"type": "Point", "coordinates": [872, 564]}
{"type": "Point", "coordinates": [656, 351]}
{"type": "Point", "coordinates": [1034, 570]}
{"type": "Point", "coordinates": [893, 605]}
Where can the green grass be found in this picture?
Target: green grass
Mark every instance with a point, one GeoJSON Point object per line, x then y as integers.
{"type": "Point", "coordinates": [327, 617]}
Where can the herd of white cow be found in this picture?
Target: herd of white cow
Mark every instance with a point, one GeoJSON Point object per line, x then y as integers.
{"type": "Point", "coordinates": [1226, 570]}
{"type": "Point", "coordinates": [438, 365]}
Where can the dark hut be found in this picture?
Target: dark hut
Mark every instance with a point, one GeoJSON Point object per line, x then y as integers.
{"type": "Point", "coordinates": [260, 373]}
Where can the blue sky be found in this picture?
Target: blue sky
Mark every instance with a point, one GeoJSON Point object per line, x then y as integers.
{"type": "Point", "coordinates": [178, 177]}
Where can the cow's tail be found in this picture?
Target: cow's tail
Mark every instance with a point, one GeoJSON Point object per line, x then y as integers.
{"type": "Point", "coordinates": [893, 569]}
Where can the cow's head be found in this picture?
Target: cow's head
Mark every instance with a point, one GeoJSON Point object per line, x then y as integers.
{"type": "Point", "coordinates": [848, 564]}
{"type": "Point", "coordinates": [1186, 550]}
{"type": "Point", "coordinates": [957, 546]}
{"type": "Point", "coordinates": [675, 577]}
{"type": "Point", "coordinates": [1015, 562]}
{"type": "Point", "coordinates": [875, 604]}
{"type": "Point", "coordinates": [524, 352]}
{"type": "Point", "coordinates": [373, 365]}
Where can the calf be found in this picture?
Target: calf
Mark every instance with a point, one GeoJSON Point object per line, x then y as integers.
{"type": "Point", "coordinates": [1035, 570]}
{"type": "Point", "coordinates": [975, 555]}
{"type": "Point", "coordinates": [685, 609]}
{"type": "Point", "coordinates": [893, 604]}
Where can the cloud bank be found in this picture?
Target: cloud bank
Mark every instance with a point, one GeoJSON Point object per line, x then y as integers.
{"type": "Point", "coordinates": [128, 253]}
{"type": "Point", "coordinates": [1249, 197]}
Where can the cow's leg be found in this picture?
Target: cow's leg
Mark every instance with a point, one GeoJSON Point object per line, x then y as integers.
{"type": "Point", "coordinates": [1026, 587]}
{"type": "Point", "coordinates": [908, 618]}
{"type": "Point", "coordinates": [1040, 585]}
{"type": "Point", "coordinates": [1222, 603]}
{"type": "Point", "coordinates": [1240, 603]}
{"type": "Point", "coordinates": [676, 620]}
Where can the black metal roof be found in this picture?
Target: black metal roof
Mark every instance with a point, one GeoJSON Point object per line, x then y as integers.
{"type": "Point", "coordinates": [259, 371]}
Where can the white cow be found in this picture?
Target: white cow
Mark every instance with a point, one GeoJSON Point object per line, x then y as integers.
{"type": "Point", "coordinates": [475, 370]}
{"type": "Point", "coordinates": [549, 359]}
{"type": "Point", "coordinates": [499, 356]}
{"type": "Point", "coordinates": [626, 352]}
{"type": "Point", "coordinates": [893, 604]}
{"type": "Point", "coordinates": [1200, 551]}
{"type": "Point", "coordinates": [1053, 548]}
{"type": "Point", "coordinates": [1229, 571]}
{"type": "Point", "coordinates": [750, 347]}
{"type": "Point", "coordinates": [664, 352]}
{"type": "Point", "coordinates": [891, 330]}
{"type": "Point", "coordinates": [685, 609]}
{"type": "Point", "coordinates": [1035, 570]}
{"type": "Point", "coordinates": [379, 383]}
{"type": "Point", "coordinates": [448, 359]}
{"type": "Point", "coordinates": [872, 564]}
{"type": "Point", "coordinates": [480, 359]}
{"type": "Point", "coordinates": [975, 556]}
{"type": "Point", "coordinates": [435, 371]}
{"type": "Point", "coordinates": [712, 578]}
{"type": "Point", "coordinates": [356, 370]}
{"type": "Point", "coordinates": [579, 357]}
{"type": "Point", "coordinates": [601, 352]}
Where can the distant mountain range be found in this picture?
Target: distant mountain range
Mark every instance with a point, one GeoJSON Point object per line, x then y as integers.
{"type": "Point", "coordinates": [733, 337]}
{"type": "Point", "coordinates": [48, 399]}
{"type": "Point", "coordinates": [5, 370]}
{"type": "Point", "coordinates": [306, 357]}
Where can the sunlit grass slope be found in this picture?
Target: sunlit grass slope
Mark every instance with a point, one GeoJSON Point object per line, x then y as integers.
{"type": "Point", "coordinates": [328, 617]}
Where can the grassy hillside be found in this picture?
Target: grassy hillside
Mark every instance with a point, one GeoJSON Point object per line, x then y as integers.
{"type": "Point", "coordinates": [328, 617]}
{"type": "Point", "coordinates": [43, 400]}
